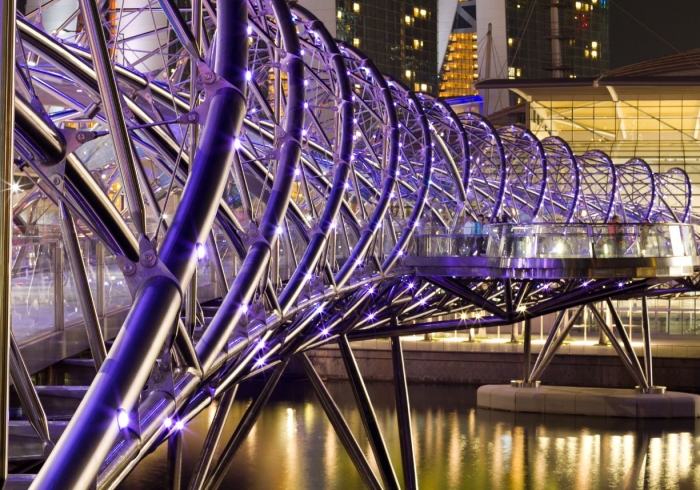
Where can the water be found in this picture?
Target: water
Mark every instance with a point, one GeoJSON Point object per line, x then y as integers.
{"type": "Point", "coordinates": [293, 446]}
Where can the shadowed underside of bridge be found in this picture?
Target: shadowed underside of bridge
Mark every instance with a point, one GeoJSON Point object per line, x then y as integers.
{"type": "Point", "coordinates": [237, 144]}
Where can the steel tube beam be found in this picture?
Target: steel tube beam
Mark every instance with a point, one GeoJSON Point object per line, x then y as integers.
{"type": "Point", "coordinates": [340, 425]}
{"type": "Point", "coordinates": [238, 438]}
{"type": "Point", "coordinates": [527, 349]}
{"type": "Point", "coordinates": [175, 460]}
{"type": "Point", "coordinates": [646, 330]}
{"type": "Point", "coordinates": [626, 342]}
{"type": "Point", "coordinates": [548, 343]}
{"type": "Point", "coordinates": [403, 413]}
{"type": "Point", "coordinates": [206, 457]}
{"type": "Point", "coordinates": [636, 376]}
{"type": "Point", "coordinates": [536, 373]}
{"type": "Point", "coordinates": [8, 10]}
{"type": "Point", "coordinates": [27, 393]}
{"type": "Point", "coordinates": [87, 305]}
{"type": "Point", "coordinates": [369, 419]}
{"type": "Point", "coordinates": [112, 105]}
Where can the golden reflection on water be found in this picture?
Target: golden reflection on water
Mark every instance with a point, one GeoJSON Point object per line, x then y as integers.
{"type": "Point", "coordinates": [293, 446]}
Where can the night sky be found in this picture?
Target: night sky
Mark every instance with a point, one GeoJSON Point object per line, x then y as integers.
{"type": "Point", "coordinates": [676, 21]}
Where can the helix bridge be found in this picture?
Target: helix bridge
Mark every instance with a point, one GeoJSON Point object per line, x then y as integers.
{"type": "Point", "coordinates": [238, 146]}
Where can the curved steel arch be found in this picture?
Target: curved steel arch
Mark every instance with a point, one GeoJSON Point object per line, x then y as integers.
{"type": "Point", "coordinates": [487, 166]}
{"type": "Point", "coordinates": [526, 171]}
{"type": "Point", "coordinates": [451, 147]}
{"type": "Point", "coordinates": [563, 182]}
{"type": "Point", "coordinates": [636, 190]}
{"type": "Point", "coordinates": [598, 187]}
{"type": "Point", "coordinates": [673, 197]}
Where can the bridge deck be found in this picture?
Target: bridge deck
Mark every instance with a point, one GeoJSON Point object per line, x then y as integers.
{"type": "Point", "coordinates": [546, 251]}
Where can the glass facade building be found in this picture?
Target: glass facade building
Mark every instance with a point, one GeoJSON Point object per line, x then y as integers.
{"type": "Point", "coordinates": [399, 37]}
{"type": "Point", "coordinates": [524, 36]}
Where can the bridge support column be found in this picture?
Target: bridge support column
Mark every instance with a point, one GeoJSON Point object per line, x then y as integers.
{"type": "Point", "coordinates": [527, 349]}
{"type": "Point", "coordinates": [403, 413]}
{"type": "Point", "coordinates": [247, 422]}
{"type": "Point", "coordinates": [369, 419]}
{"type": "Point", "coordinates": [175, 460]}
{"type": "Point", "coordinates": [636, 374]}
{"type": "Point", "coordinates": [340, 425]}
{"type": "Point", "coordinates": [206, 457]}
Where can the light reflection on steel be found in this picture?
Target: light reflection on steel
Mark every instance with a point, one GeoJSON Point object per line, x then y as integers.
{"type": "Point", "coordinates": [315, 171]}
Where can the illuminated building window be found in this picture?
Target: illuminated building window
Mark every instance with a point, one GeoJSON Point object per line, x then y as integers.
{"type": "Point", "coordinates": [578, 5]}
{"type": "Point", "coordinates": [408, 20]}
{"type": "Point", "coordinates": [586, 7]}
{"type": "Point", "coordinates": [408, 74]}
{"type": "Point", "coordinates": [423, 13]}
{"type": "Point", "coordinates": [355, 7]}
{"type": "Point", "coordinates": [510, 41]}
{"type": "Point", "coordinates": [586, 53]}
{"type": "Point", "coordinates": [594, 54]}
{"type": "Point", "coordinates": [416, 11]}
{"type": "Point", "coordinates": [511, 72]}
{"type": "Point", "coordinates": [340, 14]}
{"type": "Point", "coordinates": [518, 72]}
{"type": "Point", "coordinates": [424, 87]}
{"type": "Point", "coordinates": [594, 2]}
{"type": "Point", "coordinates": [356, 42]}
{"type": "Point", "coordinates": [416, 87]}
{"type": "Point", "coordinates": [594, 45]}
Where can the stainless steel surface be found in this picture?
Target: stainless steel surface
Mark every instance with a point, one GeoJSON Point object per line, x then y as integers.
{"type": "Point", "coordinates": [112, 106]}
{"type": "Point", "coordinates": [7, 117]}
{"type": "Point", "coordinates": [75, 257]}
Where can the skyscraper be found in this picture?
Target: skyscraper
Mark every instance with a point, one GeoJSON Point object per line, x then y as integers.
{"type": "Point", "coordinates": [523, 39]}
{"type": "Point", "coordinates": [399, 36]}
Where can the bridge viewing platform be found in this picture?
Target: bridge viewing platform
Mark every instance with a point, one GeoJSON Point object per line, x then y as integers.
{"type": "Point", "coordinates": [554, 251]}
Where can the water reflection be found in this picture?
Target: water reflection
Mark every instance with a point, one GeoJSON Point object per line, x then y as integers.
{"type": "Point", "coordinates": [293, 446]}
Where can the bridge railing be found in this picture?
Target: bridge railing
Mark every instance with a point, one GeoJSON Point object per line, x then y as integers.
{"type": "Point", "coordinates": [543, 240]}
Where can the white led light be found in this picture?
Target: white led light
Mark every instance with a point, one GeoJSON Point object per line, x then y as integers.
{"type": "Point", "coordinates": [122, 418]}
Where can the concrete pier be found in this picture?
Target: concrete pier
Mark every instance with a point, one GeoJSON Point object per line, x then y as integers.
{"type": "Point", "coordinates": [600, 402]}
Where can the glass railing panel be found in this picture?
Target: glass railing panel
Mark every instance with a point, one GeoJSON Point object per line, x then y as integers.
{"type": "Point", "coordinates": [116, 292]}
{"type": "Point", "coordinates": [33, 289]}
{"type": "Point", "coordinates": [542, 241]}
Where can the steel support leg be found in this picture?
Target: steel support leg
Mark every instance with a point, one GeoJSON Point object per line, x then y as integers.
{"type": "Point", "coordinates": [341, 427]}
{"type": "Point", "coordinates": [199, 475]}
{"type": "Point", "coordinates": [403, 414]}
{"type": "Point", "coordinates": [538, 370]}
{"type": "Point", "coordinates": [548, 343]}
{"type": "Point", "coordinates": [75, 257]}
{"type": "Point", "coordinates": [527, 349]}
{"type": "Point", "coordinates": [646, 330]}
{"type": "Point", "coordinates": [175, 460]}
{"type": "Point", "coordinates": [636, 375]}
{"type": "Point", "coordinates": [238, 438]}
{"type": "Point", "coordinates": [27, 393]}
{"type": "Point", "coordinates": [369, 419]}
{"type": "Point", "coordinates": [628, 345]}
{"type": "Point", "coordinates": [7, 126]}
